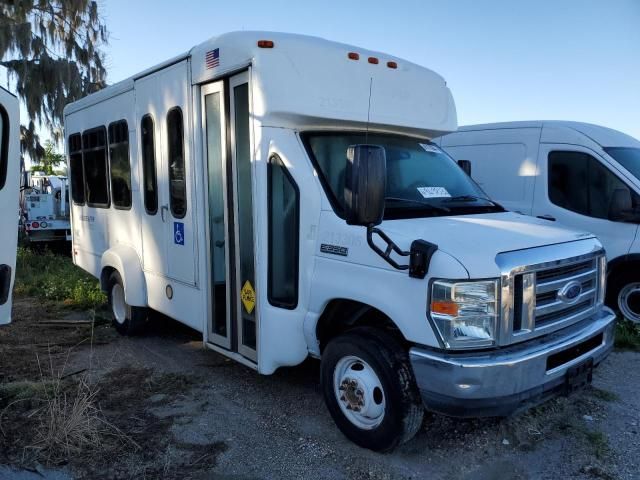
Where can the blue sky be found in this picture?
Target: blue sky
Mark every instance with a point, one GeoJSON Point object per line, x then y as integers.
{"type": "Point", "coordinates": [503, 60]}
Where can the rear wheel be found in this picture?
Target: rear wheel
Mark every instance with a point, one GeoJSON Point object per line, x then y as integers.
{"type": "Point", "coordinates": [370, 390]}
{"type": "Point", "coordinates": [127, 320]}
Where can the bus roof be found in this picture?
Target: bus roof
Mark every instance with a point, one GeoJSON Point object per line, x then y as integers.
{"type": "Point", "coordinates": [306, 82]}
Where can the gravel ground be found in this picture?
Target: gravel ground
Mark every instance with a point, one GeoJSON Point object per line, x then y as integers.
{"type": "Point", "coordinates": [195, 414]}
{"type": "Point", "coordinates": [249, 426]}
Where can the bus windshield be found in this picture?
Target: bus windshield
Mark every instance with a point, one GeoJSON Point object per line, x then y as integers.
{"type": "Point", "coordinates": [422, 180]}
{"type": "Point", "coordinates": [628, 157]}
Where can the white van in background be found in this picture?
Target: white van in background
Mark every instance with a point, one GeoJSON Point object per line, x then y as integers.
{"type": "Point", "coordinates": [576, 174]}
{"type": "Point", "coordinates": [9, 190]}
{"type": "Point", "coordinates": [280, 194]}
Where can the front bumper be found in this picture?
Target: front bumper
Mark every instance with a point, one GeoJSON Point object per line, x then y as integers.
{"type": "Point", "coordinates": [500, 382]}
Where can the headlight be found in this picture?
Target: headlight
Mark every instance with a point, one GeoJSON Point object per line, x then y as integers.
{"type": "Point", "coordinates": [465, 313]}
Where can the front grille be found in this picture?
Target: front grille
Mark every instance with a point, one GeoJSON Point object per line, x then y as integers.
{"type": "Point", "coordinates": [539, 296]}
{"type": "Point", "coordinates": [550, 307]}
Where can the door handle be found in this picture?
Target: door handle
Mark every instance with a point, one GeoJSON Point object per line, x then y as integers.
{"type": "Point", "coordinates": [163, 209]}
{"type": "Point", "coordinates": [547, 217]}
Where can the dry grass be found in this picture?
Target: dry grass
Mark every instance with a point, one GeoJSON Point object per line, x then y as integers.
{"type": "Point", "coordinates": [70, 421]}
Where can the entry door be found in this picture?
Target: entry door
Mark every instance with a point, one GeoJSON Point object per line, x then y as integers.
{"type": "Point", "coordinates": [574, 188]}
{"type": "Point", "coordinates": [227, 146]}
{"type": "Point", "coordinates": [168, 231]}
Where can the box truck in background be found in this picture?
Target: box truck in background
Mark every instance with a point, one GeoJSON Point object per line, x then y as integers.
{"type": "Point", "coordinates": [44, 203]}
{"type": "Point", "coordinates": [9, 188]}
{"type": "Point", "coordinates": [280, 194]}
{"type": "Point", "coordinates": [580, 175]}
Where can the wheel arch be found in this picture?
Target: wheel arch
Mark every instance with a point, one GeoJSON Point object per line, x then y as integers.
{"type": "Point", "coordinates": [126, 262]}
{"type": "Point", "coordinates": [342, 314]}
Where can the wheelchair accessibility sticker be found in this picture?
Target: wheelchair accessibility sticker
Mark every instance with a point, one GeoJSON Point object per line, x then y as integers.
{"type": "Point", "coordinates": [178, 233]}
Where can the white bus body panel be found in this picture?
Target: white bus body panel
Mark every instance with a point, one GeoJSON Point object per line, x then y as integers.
{"type": "Point", "coordinates": [10, 146]}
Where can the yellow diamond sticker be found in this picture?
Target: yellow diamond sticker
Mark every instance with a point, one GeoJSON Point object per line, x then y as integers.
{"type": "Point", "coordinates": [248, 297]}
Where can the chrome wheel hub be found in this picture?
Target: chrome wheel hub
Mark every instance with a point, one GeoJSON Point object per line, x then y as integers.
{"type": "Point", "coordinates": [118, 304]}
{"type": "Point", "coordinates": [359, 392]}
{"type": "Point", "coordinates": [629, 301]}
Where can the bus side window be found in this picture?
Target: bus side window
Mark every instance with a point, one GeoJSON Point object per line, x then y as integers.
{"type": "Point", "coordinates": [149, 179]}
{"type": "Point", "coordinates": [96, 170]}
{"type": "Point", "coordinates": [284, 227]}
{"type": "Point", "coordinates": [120, 165]}
{"type": "Point", "coordinates": [177, 174]}
{"type": "Point", "coordinates": [4, 145]}
{"type": "Point", "coordinates": [76, 169]}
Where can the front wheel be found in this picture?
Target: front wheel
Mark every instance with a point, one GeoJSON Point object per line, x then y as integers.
{"type": "Point", "coordinates": [623, 294]}
{"type": "Point", "coordinates": [127, 319]}
{"type": "Point", "coordinates": [370, 390]}
{"type": "Point", "coordinates": [629, 301]}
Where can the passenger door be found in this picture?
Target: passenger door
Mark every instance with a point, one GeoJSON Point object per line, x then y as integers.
{"type": "Point", "coordinates": [574, 188]}
{"type": "Point", "coordinates": [9, 171]}
{"type": "Point", "coordinates": [226, 133]}
{"type": "Point", "coordinates": [168, 230]}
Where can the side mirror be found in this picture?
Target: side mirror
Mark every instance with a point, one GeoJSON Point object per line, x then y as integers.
{"type": "Point", "coordinates": [365, 184]}
{"type": "Point", "coordinates": [620, 205]}
{"type": "Point", "coordinates": [465, 165]}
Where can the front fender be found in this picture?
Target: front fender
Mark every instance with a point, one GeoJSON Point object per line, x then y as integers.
{"type": "Point", "coordinates": [125, 260]}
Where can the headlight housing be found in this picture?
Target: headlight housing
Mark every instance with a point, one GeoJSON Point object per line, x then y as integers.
{"type": "Point", "coordinates": [465, 313]}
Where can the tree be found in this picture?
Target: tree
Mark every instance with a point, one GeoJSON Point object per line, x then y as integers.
{"type": "Point", "coordinates": [52, 52]}
{"type": "Point", "coordinates": [50, 162]}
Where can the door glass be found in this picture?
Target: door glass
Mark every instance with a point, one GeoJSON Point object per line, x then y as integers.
{"type": "Point", "coordinates": [580, 183]}
{"type": "Point", "coordinates": [245, 216]}
{"type": "Point", "coordinates": [216, 214]}
{"type": "Point", "coordinates": [177, 176]}
{"type": "Point", "coordinates": [150, 183]}
{"type": "Point", "coordinates": [4, 146]}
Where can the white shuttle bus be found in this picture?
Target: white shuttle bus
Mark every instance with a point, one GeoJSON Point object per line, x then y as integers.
{"type": "Point", "coordinates": [579, 175]}
{"type": "Point", "coordinates": [281, 195]}
{"type": "Point", "coordinates": [9, 192]}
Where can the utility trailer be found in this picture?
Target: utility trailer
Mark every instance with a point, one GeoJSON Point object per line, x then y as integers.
{"type": "Point", "coordinates": [45, 209]}
{"type": "Point", "coordinates": [9, 185]}
{"type": "Point", "coordinates": [281, 194]}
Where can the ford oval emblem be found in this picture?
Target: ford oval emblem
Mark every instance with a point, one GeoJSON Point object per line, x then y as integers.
{"type": "Point", "coordinates": [570, 292]}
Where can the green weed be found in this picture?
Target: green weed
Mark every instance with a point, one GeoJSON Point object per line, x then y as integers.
{"type": "Point", "coordinates": [54, 277]}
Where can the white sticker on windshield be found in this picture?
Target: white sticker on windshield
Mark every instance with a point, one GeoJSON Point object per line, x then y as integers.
{"type": "Point", "coordinates": [434, 192]}
{"type": "Point", "coordinates": [430, 148]}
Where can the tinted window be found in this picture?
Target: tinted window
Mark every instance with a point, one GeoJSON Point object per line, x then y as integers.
{"type": "Point", "coordinates": [628, 157]}
{"type": "Point", "coordinates": [94, 155]}
{"type": "Point", "coordinates": [4, 146]}
{"type": "Point", "coordinates": [76, 169]}
{"type": "Point", "coordinates": [580, 183]}
{"type": "Point", "coordinates": [284, 214]}
{"type": "Point", "coordinates": [177, 174]}
{"type": "Point", "coordinates": [150, 183]}
{"type": "Point", "coordinates": [120, 166]}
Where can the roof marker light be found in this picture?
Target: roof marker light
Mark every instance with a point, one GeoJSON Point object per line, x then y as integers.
{"type": "Point", "coordinates": [353, 56]}
{"type": "Point", "coordinates": [373, 60]}
{"type": "Point", "coordinates": [392, 65]}
{"type": "Point", "coordinates": [265, 43]}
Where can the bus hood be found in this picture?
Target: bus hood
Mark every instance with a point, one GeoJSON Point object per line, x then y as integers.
{"type": "Point", "coordinates": [475, 240]}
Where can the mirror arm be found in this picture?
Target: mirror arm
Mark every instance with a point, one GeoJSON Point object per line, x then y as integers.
{"type": "Point", "coordinates": [419, 255]}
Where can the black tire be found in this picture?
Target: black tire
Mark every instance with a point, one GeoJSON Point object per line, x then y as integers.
{"type": "Point", "coordinates": [134, 319]}
{"type": "Point", "coordinates": [615, 285]}
{"type": "Point", "coordinates": [403, 411]}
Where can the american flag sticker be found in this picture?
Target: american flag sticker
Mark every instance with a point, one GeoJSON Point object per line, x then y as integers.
{"type": "Point", "coordinates": [212, 58]}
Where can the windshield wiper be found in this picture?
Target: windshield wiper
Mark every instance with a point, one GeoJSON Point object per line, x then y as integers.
{"type": "Point", "coordinates": [419, 204]}
{"type": "Point", "coordinates": [470, 198]}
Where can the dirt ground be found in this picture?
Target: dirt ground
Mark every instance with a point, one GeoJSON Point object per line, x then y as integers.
{"type": "Point", "coordinates": [176, 410]}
